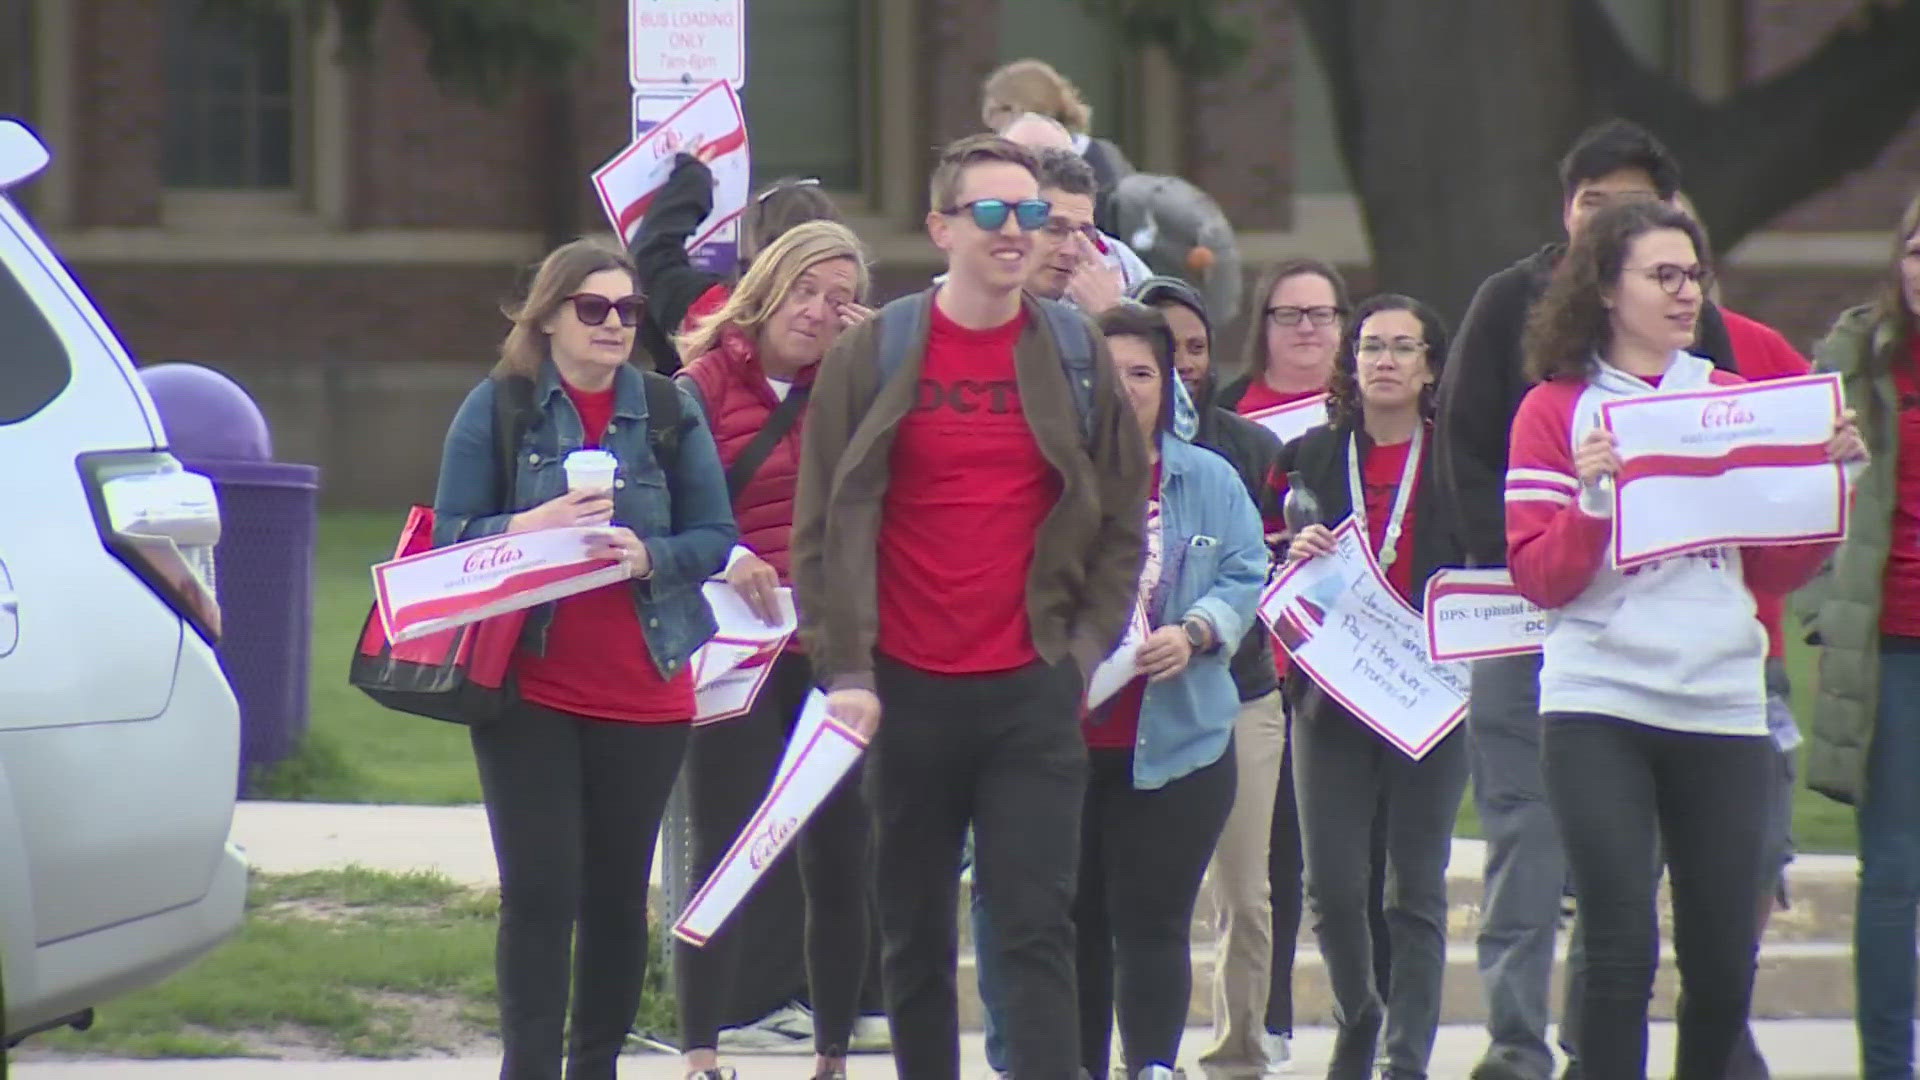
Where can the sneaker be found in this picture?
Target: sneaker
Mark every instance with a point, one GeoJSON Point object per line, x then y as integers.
{"type": "Point", "coordinates": [1498, 1066]}
{"type": "Point", "coordinates": [871, 1035]}
{"type": "Point", "coordinates": [718, 1072]}
{"type": "Point", "coordinates": [1158, 1072]}
{"type": "Point", "coordinates": [786, 1030]}
{"type": "Point", "coordinates": [1279, 1052]}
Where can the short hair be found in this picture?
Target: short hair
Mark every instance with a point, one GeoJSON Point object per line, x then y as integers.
{"type": "Point", "coordinates": [1131, 318]}
{"type": "Point", "coordinates": [1570, 324]}
{"type": "Point", "coordinates": [778, 207]}
{"type": "Point", "coordinates": [962, 154]}
{"type": "Point", "coordinates": [1035, 86]}
{"type": "Point", "coordinates": [1066, 171]}
{"type": "Point", "coordinates": [1612, 145]}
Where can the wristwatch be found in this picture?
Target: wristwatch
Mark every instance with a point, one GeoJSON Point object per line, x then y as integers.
{"type": "Point", "coordinates": [1199, 633]}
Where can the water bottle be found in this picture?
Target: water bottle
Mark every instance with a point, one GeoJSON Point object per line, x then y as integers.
{"type": "Point", "coordinates": [1300, 509]}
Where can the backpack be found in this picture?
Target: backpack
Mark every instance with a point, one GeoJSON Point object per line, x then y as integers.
{"type": "Point", "coordinates": [902, 319]}
{"type": "Point", "coordinates": [513, 417]}
{"type": "Point", "coordinates": [1180, 232]}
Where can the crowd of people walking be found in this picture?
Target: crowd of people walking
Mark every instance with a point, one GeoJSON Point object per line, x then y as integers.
{"type": "Point", "coordinates": [975, 491]}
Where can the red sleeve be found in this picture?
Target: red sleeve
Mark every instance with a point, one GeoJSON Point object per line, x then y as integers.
{"type": "Point", "coordinates": [704, 305]}
{"type": "Point", "coordinates": [1554, 548]}
{"type": "Point", "coordinates": [1760, 351]}
{"type": "Point", "coordinates": [1777, 571]}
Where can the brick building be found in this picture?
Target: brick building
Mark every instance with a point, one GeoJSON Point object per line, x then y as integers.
{"type": "Point", "coordinates": [339, 237]}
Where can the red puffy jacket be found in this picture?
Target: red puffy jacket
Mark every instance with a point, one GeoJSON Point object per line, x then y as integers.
{"type": "Point", "coordinates": [738, 401]}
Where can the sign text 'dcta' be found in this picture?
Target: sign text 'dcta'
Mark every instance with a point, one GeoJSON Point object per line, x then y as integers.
{"type": "Point", "coordinates": [686, 42]}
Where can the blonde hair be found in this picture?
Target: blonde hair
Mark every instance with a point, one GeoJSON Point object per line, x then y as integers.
{"type": "Point", "coordinates": [1033, 86]}
{"type": "Point", "coordinates": [772, 277]}
{"type": "Point", "coordinates": [558, 276]}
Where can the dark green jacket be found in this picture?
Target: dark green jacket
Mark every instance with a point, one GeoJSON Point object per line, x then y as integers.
{"type": "Point", "coordinates": [1841, 607]}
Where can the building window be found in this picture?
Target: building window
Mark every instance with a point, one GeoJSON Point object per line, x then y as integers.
{"type": "Point", "coordinates": [1080, 46]}
{"type": "Point", "coordinates": [230, 98]}
{"type": "Point", "coordinates": [804, 90]}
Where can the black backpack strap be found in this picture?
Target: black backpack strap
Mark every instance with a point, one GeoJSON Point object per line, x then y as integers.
{"type": "Point", "coordinates": [779, 422]}
{"type": "Point", "coordinates": [512, 419]}
{"type": "Point", "coordinates": [664, 416]}
{"type": "Point", "coordinates": [1073, 337]}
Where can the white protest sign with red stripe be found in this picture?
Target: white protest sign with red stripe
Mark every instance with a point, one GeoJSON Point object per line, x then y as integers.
{"type": "Point", "coordinates": [710, 125]}
{"type": "Point", "coordinates": [452, 586]}
{"type": "Point", "coordinates": [1478, 614]}
{"type": "Point", "coordinates": [1294, 419]}
{"type": "Point", "coordinates": [1735, 466]}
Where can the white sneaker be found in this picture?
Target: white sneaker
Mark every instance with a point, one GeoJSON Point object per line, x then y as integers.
{"type": "Point", "coordinates": [1279, 1053]}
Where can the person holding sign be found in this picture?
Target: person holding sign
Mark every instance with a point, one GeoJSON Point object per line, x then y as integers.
{"type": "Point", "coordinates": [1865, 616]}
{"type": "Point", "coordinates": [1375, 461]}
{"type": "Point", "coordinates": [967, 543]}
{"type": "Point", "coordinates": [679, 293]}
{"type": "Point", "coordinates": [1160, 750]}
{"type": "Point", "coordinates": [751, 367]}
{"type": "Point", "coordinates": [576, 775]}
{"type": "Point", "coordinates": [1652, 690]}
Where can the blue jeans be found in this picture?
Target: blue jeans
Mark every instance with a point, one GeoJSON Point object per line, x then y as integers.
{"type": "Point", "coordinates": [1889, 821]}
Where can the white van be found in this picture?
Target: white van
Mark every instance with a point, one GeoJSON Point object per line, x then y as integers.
{"type": "Point", "coordinates": [119, 736]}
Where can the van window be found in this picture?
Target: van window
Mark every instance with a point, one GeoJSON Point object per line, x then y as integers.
{"type": "Point", "coordinates": [34, 366]}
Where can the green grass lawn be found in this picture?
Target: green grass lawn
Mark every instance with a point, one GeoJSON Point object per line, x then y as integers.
{"type": "Point", "coordinates": [359, 752]}
{"type": "Point", "coordinates": [353, 963]}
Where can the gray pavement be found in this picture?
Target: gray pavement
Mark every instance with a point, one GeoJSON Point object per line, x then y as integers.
{"type": "Point", "coordinates": [1795, 1049]}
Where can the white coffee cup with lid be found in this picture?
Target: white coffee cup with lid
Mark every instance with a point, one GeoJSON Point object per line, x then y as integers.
{"type": "Point", "coordinates": [590, 470]}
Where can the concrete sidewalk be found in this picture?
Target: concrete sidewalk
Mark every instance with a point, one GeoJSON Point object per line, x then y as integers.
{"type": "Point", "coordinates": [1795, 1050]}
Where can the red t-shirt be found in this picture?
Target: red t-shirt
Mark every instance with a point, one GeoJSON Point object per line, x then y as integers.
{"type": "Point", "coordinates": [1380, 485]}
{"type": "Point", "coordinates": [1761, 352]}
{"type": "Point", "coordinates": [597, 663]}
{"type": "Point", "coordinates": [968, 490]}
{"type": "Point", "coordinates": [1900, 589]}
{"type": "Point", "coordinates": [1261, 396]}
{"type": "Point", "coordinates": [1121, 724]}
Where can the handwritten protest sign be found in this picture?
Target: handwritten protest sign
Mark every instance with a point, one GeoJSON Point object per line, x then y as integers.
{"type": "Point", "coordinates": [826, 750]}
{"type": "Point", "coordinates": [1478, 614]}
{"type": "Point", "coordinates": [437, 590]}
{"type": "Point", "coordinates": [1351, 633]}
{"type": "Point", "coordinates": [1734, 466]}
{"type": "Point", "coordinates": [1294, 419]}
{"type": "Point", "coordinates": [709, 124]}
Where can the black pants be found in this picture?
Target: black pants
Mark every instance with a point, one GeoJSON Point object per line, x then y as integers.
{"type": "Point", "coordinates": [1615, 788]}
{"type": "Point", "coordinates": [730, 767]}
{"type": "Point", "coordinates": [1142, 856]}
{"type": "Point", "coordinates": [1004, 753]}
{"type": "Point", "coordinates": [574, 806]}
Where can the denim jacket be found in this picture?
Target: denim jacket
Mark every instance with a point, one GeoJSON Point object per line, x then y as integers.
{"type": "Point", "coordinates": [684, 516]}
{"type": "Point", "coordinates": [1221, 567]}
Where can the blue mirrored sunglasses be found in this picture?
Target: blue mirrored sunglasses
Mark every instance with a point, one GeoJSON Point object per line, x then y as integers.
{"type": "Point", "coordinates": [991, 214]}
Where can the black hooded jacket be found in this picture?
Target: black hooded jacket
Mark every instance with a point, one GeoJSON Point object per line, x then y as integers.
{"type": "Point", "coordinates": [1251, 450]}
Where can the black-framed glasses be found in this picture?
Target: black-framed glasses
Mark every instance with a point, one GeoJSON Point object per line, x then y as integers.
{"type": "Point", "coordinates": [1322, 316]}
{"type": "Point", "coordinates": [992, 214]}
{"type": "Point", "coordinates": [1404, 349]}
{"type": "Point", "coordinates": [1673, 277]}
{"type": "Point", "coordinates": [1062, 229]}
{"type": "Point", "coordinates": [592, 308]}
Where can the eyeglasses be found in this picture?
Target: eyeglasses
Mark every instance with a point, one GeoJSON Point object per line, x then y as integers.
{"type": "Point", "coordinates": [592, 308]}
{"type": "Point", "coordinates": [1323, 316]}
{"type": "Point", "coordinates": [1672, 278]}
{"type": "Point", "coordinates": [992, 214]}
{"type": "Point", "coordinates": [811, 181]}
{"type": "Point", "coordinates": [1062, 229]}
{"type": "Point", "coordinates": [1403, 349]}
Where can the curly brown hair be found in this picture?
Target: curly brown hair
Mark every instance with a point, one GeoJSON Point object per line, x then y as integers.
{"type": "Point", "coordinates": [1570, 325]}
{"type": "Point", "coordinates": [1344, 407]}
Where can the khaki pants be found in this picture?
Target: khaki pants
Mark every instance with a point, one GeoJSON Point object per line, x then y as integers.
{"type": "Point", "coordinates": [1242, 899]}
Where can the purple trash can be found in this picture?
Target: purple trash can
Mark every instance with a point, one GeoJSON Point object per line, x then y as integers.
{"type": "Point", "coordinates": [263, 565]}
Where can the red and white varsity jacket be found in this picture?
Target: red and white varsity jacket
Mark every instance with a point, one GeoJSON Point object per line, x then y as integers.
{"type": "Point", "coordinates": [1672, 644]}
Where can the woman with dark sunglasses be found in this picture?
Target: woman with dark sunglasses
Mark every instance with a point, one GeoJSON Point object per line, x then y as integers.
{"type": "Point", "coordinates": [751, 367]}
{"type": "Point", "coordinates": [1374, 462]}
{"type": "Point", "coordinates": [576, 774]}
{"type": "Point", "coordinates": [680, 293]}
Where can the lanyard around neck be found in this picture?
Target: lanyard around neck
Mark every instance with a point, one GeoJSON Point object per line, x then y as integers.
{"type": "Point", "coordinates": [1390, 544]}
